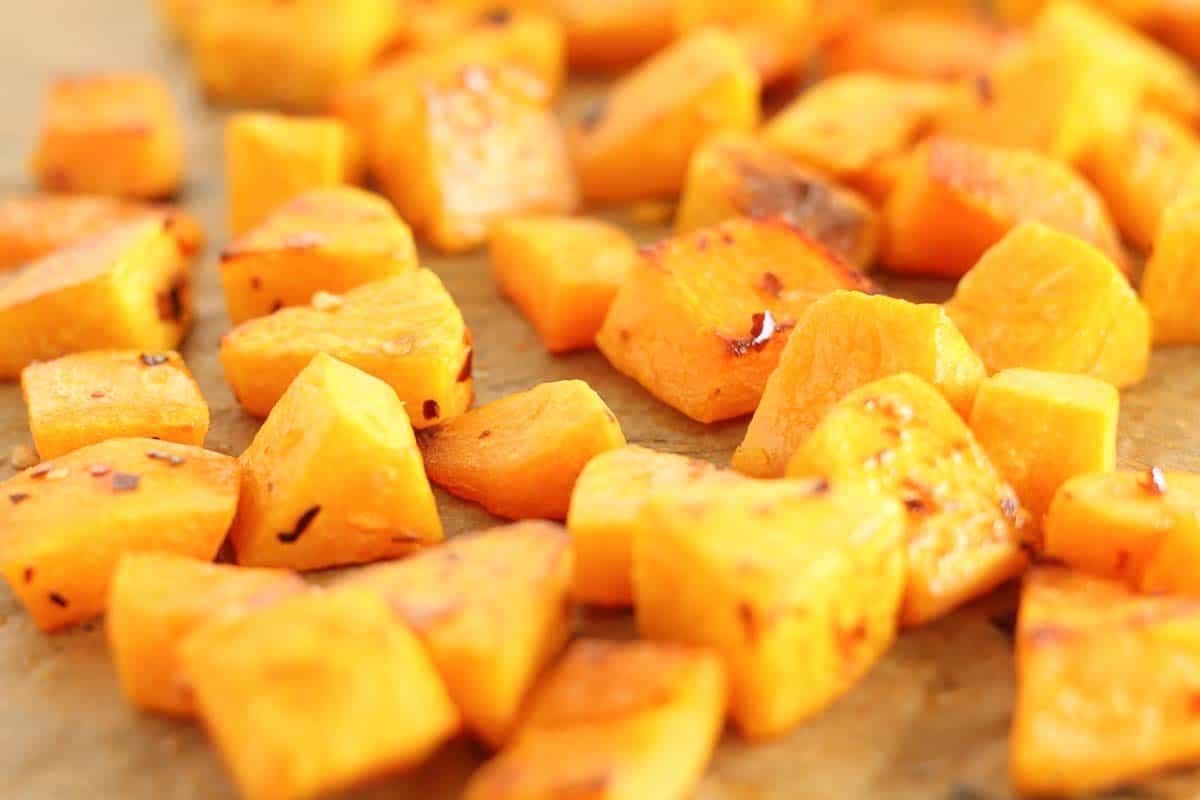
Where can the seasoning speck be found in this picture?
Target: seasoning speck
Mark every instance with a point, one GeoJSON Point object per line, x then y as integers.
{"type": "Point", "coordinates": [153, 359]}
{"type": "Point", "coordinates": [1154, 481]}
{"type": "Point", "coordinates": [288, 537]}
{"type": "Point", "coordinates": [125, 482]}
{"type": "Point", "coordinates": [18, 497]}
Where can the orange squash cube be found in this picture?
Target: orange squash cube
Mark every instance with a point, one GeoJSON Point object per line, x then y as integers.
{"type": "Point", "coordinates": [955, 199]}
{"type": "Point", "coordinates": [1171, 282]}
{"type": "Point", "coordinates": [292, 56]}
{"type": "Point", "coordinates": [297, 511]}
{"type": "Point", "coordinates": [519, 456]}
{"type": "Point", "coordinates": [562, 273]}
{"type": "Point", "coordinates": [318, 693]}
{"type": "Point", "coordinates": [406, 331]}
{"type": "Point", "coordinates": [85, 398]}
{"type": "Point", "coordinates": [899, 436]}
{"type": "Point", "coordinates": [110, 134]}
{"type": "Point", "coordinates": [489, 607]}
{"type": "Point", "coordinates": [128, 288]}
{"type": "Point", "coordinates": [459, 153]}
{"type": "Point", "coordinates": [68, 522]}
{"type": "Point", "coordinates": [703, 317]}
{"type": "Point", "coordinates": [330, 239]}
{"type": "Point", "coordinates": [157, 600]}
{"type": "Point", "coordinates": [1043, 299]}
{"type": "Point", "coordinates": [795, 583]}
{"type": "Point", "coordinates": [612, 34]}
{"type": "Point", "coordinates": [735, 175]}
{"type": "Point", "coordinates": [618, 720]}
{"type": "Point", "coordinates": [606, 515]}
{"type": "Point", "coordinates": [35, 226]}
{"type": "Point", "coordinates": [635, 144]}
{"type": "Point", "coordinates": [844, 341]}
{"type": "Point", "coordinates": [1106, 685]}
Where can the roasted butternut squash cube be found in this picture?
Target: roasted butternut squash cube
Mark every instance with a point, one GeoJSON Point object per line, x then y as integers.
{"type": "Point", "coordinates": [735, 175]}
{"type": "Point", "coordinates": [68, 522]}
{"type": "Point", "coordinates": [1106, 685]}
{"type": "Point", "coordinates": [110, 134]}
{"type": "Point", "coordinates": [1171, 282]}
{"type": "Point", "coordinates": [157, 600]}
{"type": "Point", "coordinates": [955, 199]}
{"type": "Point", "coordinates": [315, 694]}
{"type": "Point", "coordinates": [1043, 299]}
{"type": "Point", "coordinates": [129, 288]}
{"type": "Point", "coordinates": [703, 317]}
{"type": "Point", "coordinates": [331, 239]}
{"type": "Point", "coordinates": [850, 124]}
{"type": "Point", "coordinates": [85, 398]}
{"type": "Point", "coordinates": [405, 330]}
{"type": "Point", "coordinates": [635, 144]}
{"type": "Point", "coordinates": [901, 438]}
{"type": "Point", "coordinates": [562, 273]}
{"type": "Point", "coordinates": [1040, 429]}
{"type": "Point", "coordinates": [606, 515]}
{"type": "Point", "coordinates": [519, 456]}
{"type": "Point", "coordinates": [292, 56]}
{"type": "Point", "coordinates": [612, 34]}
{"type": "Point", "coordinates": [492, 610]}
{"type": "Point", "coordinates": [297, 511]}
{"type": "Point", "coordinates": [459, 153]}
{"type": "Point", "coordinates": [271, 158]}
{"type": "Point", "coordinates": [844, 341]}
{"type": "Point", "coordinates": [796, 584]}
{"type": "Point", "coordinates": [35, 226]}
{"type": "Point", "coordinates": [618, 720]}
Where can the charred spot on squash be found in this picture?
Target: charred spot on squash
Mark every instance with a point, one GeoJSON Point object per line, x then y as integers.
{"type": "Point", "coordinates": [125, 482]}
{"type": "Point", "coordinates": [306, 519]}
{"type": "Point", "coordinates": [171, 300]}
{"type": "Point", "coordinates": [153, 359]}
{"type": "Point", "coordinates": [58, 600]}
{"type": "Point", "coordinates": [18, 497]}
{"type": "Point", "coordinates": [430, 409]}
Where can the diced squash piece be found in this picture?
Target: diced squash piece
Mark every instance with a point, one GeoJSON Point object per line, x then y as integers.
{"type": "Point", "coordinates": [610, 34]}
{"type": "Point", "coordinates": [67, 522]}
{"type": "Point", "coordinates": [459, 153]}
{"type": "Point", "coordinates": [562, 273]}
{"type": "Point", "coordinates": [703, 317]}
{"type": "Point", "coordinates": [955, 199]}
{"type": "Point", "coordinates": [635, 143]}
{"type": "Point", "coordinates": [519, 456]}
{"type": "Point", "coordinates": [491, 609]}
{"type": "Point", "coordinates": [1040, 429]}
{"type": "Point", "coordinates": [271, 158]}
{"type": "Point", "coordinates": [606, 515]}
{"type": "Point", "coordinates": [735, 175]}
{"type": "Point", "coordinates": [1106, 685]}
{"type": "Point", "coordinates": [157, 600]}
{"type": "Point", "coordinates": [614, 720]}
{"type": "Point", "coordinates": [331, 239]}
{"type": "Point", "coordinates": [406, 331]}
{"type": "Point", "coordinates": [1141, 172]}
{"type": "Point", "coordinates": [1046, 300]}
{"type": "Point", "coordinates": [775, 33]}
{"type": "Point", "coordinates": [35, 226]}
{"type": "Point", "coordinates": [127, 288]}
{"type": "Point", "coordinates": [1140, 527]}
{"type": "Point", "coordinates": [844, 341]}
{"type": "Point", "coordinates": [333, 477]}
{"type": "Point", "coordinates": [110, 134]}
{"type": "Point", "coordinates": [901, 438]}
{"type": "Point", "coordinates": [317, 693]}
{"type": "Point", "coordinates": [85, 398]}
{"type": "Point", "coordinates": [293, 56]}
{"type": "Point", "coordinates": [1171, 282]}
{"type": "Point", "coordinates": [795, 583]}
{"type": "Point", "coordinates": [849, 124]}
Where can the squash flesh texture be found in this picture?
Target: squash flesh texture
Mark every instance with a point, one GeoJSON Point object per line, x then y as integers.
{"type": "Point", "coordinates": [690, 323]}
{"type": "Point", "coordinates": [844, 341]}
{"type": "Point", "coordinates": [618, 720]}
{"type": "Point", "coordinates": [901, 438]}
{"type": "Point", "coordinates": [406, 331]}
{"type": "Point", "coordinates": [795, 583]}
{"type": "Point", "coordinates": [85, 398]}
{"type": "Point", "coordinates": [62, 542]}
{"type": "Point", "coordinates": [1171, 283]}
{"type": "Point", "coordinates": [297, 512]}
{"type": "Point", "coordinates": [489, 607]}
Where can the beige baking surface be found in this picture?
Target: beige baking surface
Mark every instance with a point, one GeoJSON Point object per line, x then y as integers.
{"type": "Point", "coordinates": [929, 723]}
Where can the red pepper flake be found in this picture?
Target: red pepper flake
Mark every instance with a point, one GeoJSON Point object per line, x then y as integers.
{"type": "Point", "coordinates": [41, 470]}
{"type": "Point", "coordinates": [18, 497]}
{"type": "Point", "coordinates": [99, 470]}
{"type": "Point", "coordinates": [153, 359]}
{"type": "Point", "coordinates": [1154, 482]}
{"type": "Point", "coordinates": [170, 458]}
{"type": "Point", "coordinates": [28, 574]}
{"type": "Point", "coordinates": [58, 600]}
{"type": "Point", "coordinates": [762, 328]}
{"type": "Point", "coordinates": [431, 409]}
{"type": "Point", "coordinates": [125, 482]}
{"type": "Point", "coordinates": [302, 524]}
{"type": "Point", "coordinates": [464, 374]}
{"type": "Point", "coordinates": [771, 284]}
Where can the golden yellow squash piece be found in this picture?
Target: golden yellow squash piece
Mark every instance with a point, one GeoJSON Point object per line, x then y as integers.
{"type": "Point", "coordinates": [1171, 283]}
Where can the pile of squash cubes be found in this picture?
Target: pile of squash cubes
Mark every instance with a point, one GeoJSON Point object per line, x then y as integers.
{"type": "Point", "coordinates": [901, 459]}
